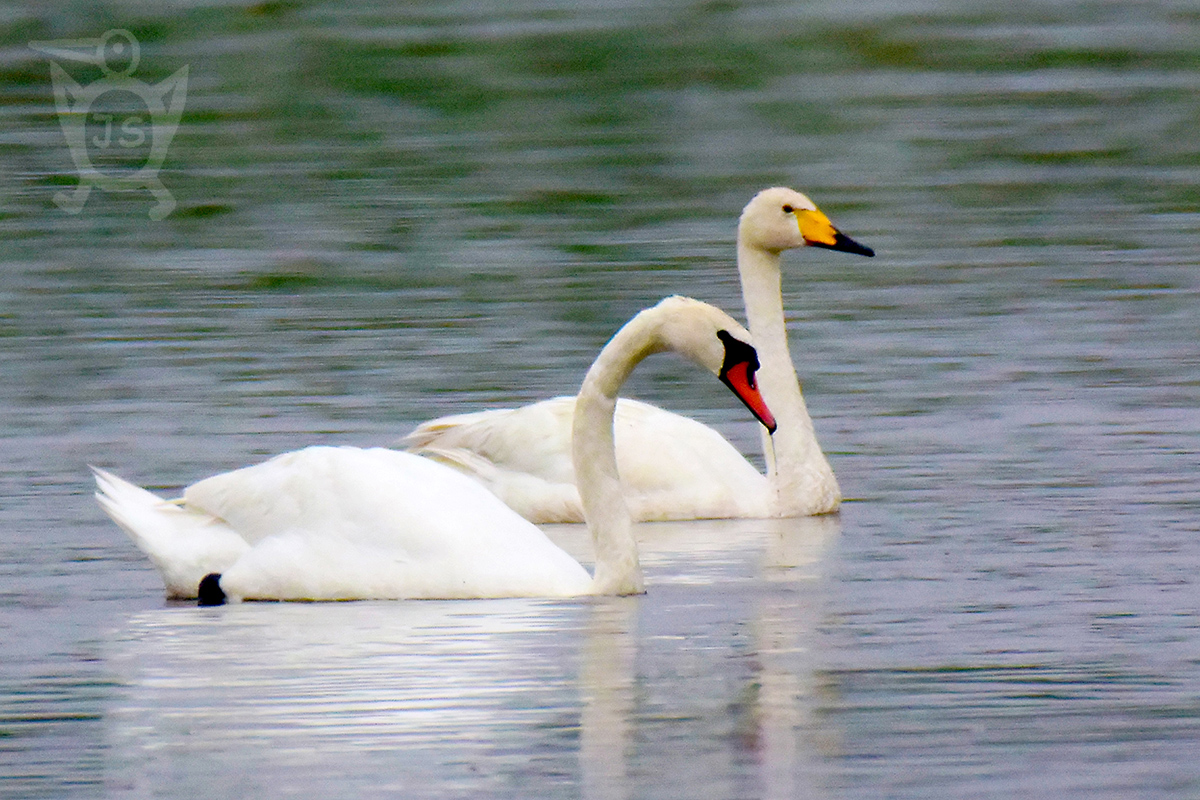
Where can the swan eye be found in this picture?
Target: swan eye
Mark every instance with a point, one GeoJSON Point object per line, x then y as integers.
{"type": "Point", "coordinates": [788, 209]}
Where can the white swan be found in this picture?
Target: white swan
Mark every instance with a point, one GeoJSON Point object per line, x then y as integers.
{"type": "Point", "coordinates": [672, 467]}
{"type": "Point", "coordinates": [329, 523]}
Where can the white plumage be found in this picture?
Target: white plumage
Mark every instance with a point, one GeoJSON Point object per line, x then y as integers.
{"type": "Point", "coordinates": [672, 467]}
{"type": "Point", "coordinates": [330, 523]}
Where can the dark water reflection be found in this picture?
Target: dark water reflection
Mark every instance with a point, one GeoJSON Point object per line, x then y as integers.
{"type": "Point", "coordinates": [386, 213]}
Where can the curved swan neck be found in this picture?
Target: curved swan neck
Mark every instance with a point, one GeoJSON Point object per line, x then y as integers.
{"type": "Point", "coordinates": [801, 477]}
{"type": "Point", "coordinates": [618, 570]}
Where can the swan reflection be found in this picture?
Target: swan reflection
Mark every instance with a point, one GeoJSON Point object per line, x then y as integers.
{"type": "Point", "coordinates": [599, 697]}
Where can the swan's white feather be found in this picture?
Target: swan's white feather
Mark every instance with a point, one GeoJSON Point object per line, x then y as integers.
{"type": "Point", "coordinates": [329, 523]}
{"type": "Point", "coordinates": [671, 467]}
{"type": "Point", "coordinates": [184, 544]}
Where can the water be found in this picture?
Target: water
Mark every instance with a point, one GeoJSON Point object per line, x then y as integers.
{"type": "Point", "coordinates": [386, 214]}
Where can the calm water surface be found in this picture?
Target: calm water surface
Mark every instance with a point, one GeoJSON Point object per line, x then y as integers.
{"type": "Point", "coordinates": [384, 214]}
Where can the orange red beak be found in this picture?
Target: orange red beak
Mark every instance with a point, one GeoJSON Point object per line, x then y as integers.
{"type": "Point", "coordinates": [739, 377]}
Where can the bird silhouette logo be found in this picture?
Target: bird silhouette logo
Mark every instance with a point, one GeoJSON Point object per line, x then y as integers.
{"type": "Point", "coordinates": [118, 128]}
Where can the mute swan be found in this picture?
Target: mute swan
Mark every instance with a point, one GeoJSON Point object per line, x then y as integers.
{"type": "Point", "coordinates": [328, 523]}
{"type": "Point", "coordinates": [672, 467]}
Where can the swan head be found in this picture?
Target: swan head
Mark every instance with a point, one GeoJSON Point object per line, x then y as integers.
{"type": "Point", "coordinates": [717, 342]}
{"type": "Point", "coordinates": [780, 219]}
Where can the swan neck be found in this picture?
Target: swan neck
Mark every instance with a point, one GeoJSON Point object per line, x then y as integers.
{"type": "Point", "coordinates": [618, 570]}
{"type": "Point", "coordinates": [801, 478]}
{"type": "Point", "coordinates": [763, 295]}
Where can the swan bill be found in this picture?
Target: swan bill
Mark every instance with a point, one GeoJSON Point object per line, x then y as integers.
{"type": "Point", "coordinates": [844, 244]}
{"type": "Point", "coordinates": [818, 231]}
{"type": "Point", "coordinates": [741, 362]}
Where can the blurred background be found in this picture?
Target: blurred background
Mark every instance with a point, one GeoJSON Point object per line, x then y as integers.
{"type": "Point", "coordinates": [389, 211]}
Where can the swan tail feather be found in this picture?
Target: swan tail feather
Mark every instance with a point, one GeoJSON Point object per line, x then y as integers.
{"type": "Point", "coordinates": [183, 544]}
{"type": "Point", "coordinates": [463, 460]}
{"type": "Point", "coordinates": [428, 434]}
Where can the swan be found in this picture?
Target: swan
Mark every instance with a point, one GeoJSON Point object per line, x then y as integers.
{"type": "Point", "coordinates": [334, 523]}
{"type": "Point", "coordinates": [672, 467]}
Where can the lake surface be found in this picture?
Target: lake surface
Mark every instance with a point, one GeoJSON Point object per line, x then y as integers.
{"type": "Point", "coordinates": [384, 214]}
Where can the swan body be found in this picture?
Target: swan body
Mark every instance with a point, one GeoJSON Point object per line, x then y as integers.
{"type": "Point", "coordinates": [333, 523]}
{"type": "Point", "coordinates": [672, 467]}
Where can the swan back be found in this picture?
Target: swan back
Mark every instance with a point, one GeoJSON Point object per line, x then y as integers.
{"type": "Point", "coordinates": [343, 522]}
